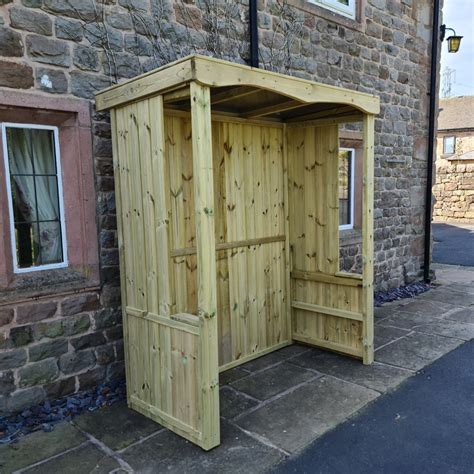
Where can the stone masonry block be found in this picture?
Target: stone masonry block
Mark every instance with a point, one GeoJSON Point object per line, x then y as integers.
{"type": "Point", "coordinates": [48, 51]}
{"type": "Point", "coordinates": [36, 311]}
{"type": "Point", "coordinates": [38, 373]}
{"type": "Point", "coordinates": [30, 20]}
{"type": "Point", "coordinates": [76, 361]}
{"type": "Point", "coordinates": [80, 303]}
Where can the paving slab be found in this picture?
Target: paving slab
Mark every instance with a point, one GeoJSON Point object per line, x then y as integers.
{"type": "Point", "coordinates": [233, 403]}
{"type": "Point", "coordinates": [268, 383]}
{"type": "Point", "coordinates": [38, 446]}
{"type": "Point", "coordinates": [85, 459]}
{"type": "Point", "coordinates": [294, 420]}
{"type": "Point", "coordinates": [459, 330]}
{"type": "Point", "coordinates": [453, 273]}
{"type": "Point", "coordinates": [429, 324]}
{"type": "Point", "coordinates": [385, 334]}
{"type": "Point", "coordinates": [463, 287]}
{"type": "Point", "coordinates": [407, 321]}
{"type": "Point", "coordinates": [376, 376]}
{"type": "Point", "coordinates": [445, 294]}
{"type": "Point", "coordinates": [430, 308]}
{"type": "Point", "coordinates": [263, 362]}
{"type": "Point", "coordinates": [416, 350]}
{"type": "Point", "coordinates": [232, 375]}
{"type": "Point", "coordinates": [388, 309]}
{"type": "Point", "coordinates": [116, 426]}
{"type": "Point", "coordinates": [463, 315]}
{"type": "Point", "coordinates": [237, 454]}
{"type": "Point", "coordinates": [293, 350]}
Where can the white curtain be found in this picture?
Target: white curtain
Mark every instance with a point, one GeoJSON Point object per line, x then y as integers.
{"type": "Point", "coordinates": [32, 150]}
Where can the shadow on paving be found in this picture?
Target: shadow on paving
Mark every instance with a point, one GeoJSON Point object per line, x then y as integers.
{"type": "Point", "coordinates": [453, 244]}
{"type": "Point", "coordinates": [425, 426]}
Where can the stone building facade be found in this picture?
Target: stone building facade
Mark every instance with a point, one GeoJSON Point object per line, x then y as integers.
{"type": "Point", "coordinates": [60, 329]}
{"type": "Point", "coordinates": [454, 188]}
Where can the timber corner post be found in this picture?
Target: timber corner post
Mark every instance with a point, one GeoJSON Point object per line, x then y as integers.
{"type": "Point", "coordinates": [368, 238]}
{"type": "Point", "coordinates": [201, 127]}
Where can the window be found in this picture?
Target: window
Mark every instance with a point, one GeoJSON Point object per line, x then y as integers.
{"type": "Point", "coordinates": [343, 7]}
{"type": "Point", "coordinates": [449, 145]}
{"type": "Point", "coordinates": [346, 188]}
{"type": "Point", "coordinates": [35, 200]}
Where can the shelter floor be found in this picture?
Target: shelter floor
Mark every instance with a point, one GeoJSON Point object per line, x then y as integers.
{"type": "Point", "coordinates": [272, 407]}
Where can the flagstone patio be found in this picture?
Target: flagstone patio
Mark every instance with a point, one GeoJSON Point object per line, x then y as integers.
{"type": "Point", "coordinates": [272, 407]}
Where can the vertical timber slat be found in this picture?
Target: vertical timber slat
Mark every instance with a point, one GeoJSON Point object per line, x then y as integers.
{"type": "Point", "coordinates": [206, 261]}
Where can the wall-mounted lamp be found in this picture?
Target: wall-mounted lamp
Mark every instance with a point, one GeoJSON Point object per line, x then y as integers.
{"type": "Point", "coordinates": [454, 41]}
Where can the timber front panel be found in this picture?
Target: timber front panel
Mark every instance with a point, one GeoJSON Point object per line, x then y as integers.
{"type": "Point", "coordinates": [249, 207]}
{"type": "Point", "coordinates": [327, 305]}
{"type": "Point", "coordinates": [169, 364]}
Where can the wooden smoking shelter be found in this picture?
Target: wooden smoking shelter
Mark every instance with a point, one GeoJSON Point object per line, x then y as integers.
{"type": "Point", "coordinates": [228, 223]}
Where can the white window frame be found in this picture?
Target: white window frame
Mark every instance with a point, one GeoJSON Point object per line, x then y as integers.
{"type": "Point", "coordinates": [351, 189]}
{"type": "Point", "coordinates": [333, 5]}
{"type": "Point", "coordinates": [444, 145]}
{"type": "Point", "coordinates": [48, 266]}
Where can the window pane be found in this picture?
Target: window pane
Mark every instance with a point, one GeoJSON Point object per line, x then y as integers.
{"type": "Point", "coordinates": [35, 196]}
{"type": "Point", "coordinates": [449, 145]}
{"type": "Point", "coordinates": [20, 156]}
{"type": "Point", "coordinates": [48, 203]}
{"type": "Point", "coordinates": [23, 197]}
{"type": "Point", "coordinates": [50, 243]}
{"type": "Point", "coordinates": [26, 244]}
{"type": "Point", "coordinates": [44, 160]}
{"type": "Point", "coordinates": [345, 184]}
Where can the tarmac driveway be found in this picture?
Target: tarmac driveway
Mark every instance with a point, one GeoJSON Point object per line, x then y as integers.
{"type": "Point", "coordinates": [453, 244]}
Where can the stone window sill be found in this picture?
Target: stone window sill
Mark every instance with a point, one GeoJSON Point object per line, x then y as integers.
{"type": "Point", "coordinates": [357, 24]}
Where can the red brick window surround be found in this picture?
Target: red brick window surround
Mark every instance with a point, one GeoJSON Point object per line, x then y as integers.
{"type": "Point", "coordinates": [70, 120]}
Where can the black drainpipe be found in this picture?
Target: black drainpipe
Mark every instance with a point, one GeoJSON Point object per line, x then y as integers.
{"type": "Point", "coordinates": [431, 138]}
{"type": "Point", "coordinates": [253, 27]}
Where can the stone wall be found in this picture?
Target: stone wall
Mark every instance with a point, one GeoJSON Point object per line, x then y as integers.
{"type": "Point", "coordinates": [454, 188]}
{"type": "Point", "coordinates": [73, 48]}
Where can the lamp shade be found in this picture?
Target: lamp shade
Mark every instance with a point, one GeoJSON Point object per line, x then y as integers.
{"type": "Point", "coordinates": [454, 43]}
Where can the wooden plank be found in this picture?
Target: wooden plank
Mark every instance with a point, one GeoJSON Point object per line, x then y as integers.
{"type": "Point", "coordinates": [232, 94]}
{"type": "Point", "coordinates": [255, 355]}
{"type": "Point", "coordinates": [368, 239]}
{"type": "Point", "coordinates": [323, 114]}
{"type": "Point", "coordinates": [160, 203]}
{"type": "Point", "coordinates": [316, 308]}
{"type": "Point", "coordinates": [206, 261]}
{"type": "Point", "coordinates": [231, 245]}
{"type": "Point", "coordinates": [274, 108]}
{"type": "Point", "coordinates": [324, 122]}
{"type": "Point", "coordinates": [333, 346]}
{"type": "Point", "coordinates": [178, 95]}
{"type": "Point", "coordinates": [338, 279]}
{"type": "Point", "coordinates": [153, 82]}
{"type": "Point", "coordinates": [117, 151]}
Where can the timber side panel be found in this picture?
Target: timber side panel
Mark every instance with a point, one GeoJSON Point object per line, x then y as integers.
{"type": "Point", "coordinates": [326, 307]}
{"type": "Point", "coordinates": [164, 351]}
{"type": "Point", "coordinates": [250, 227]}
